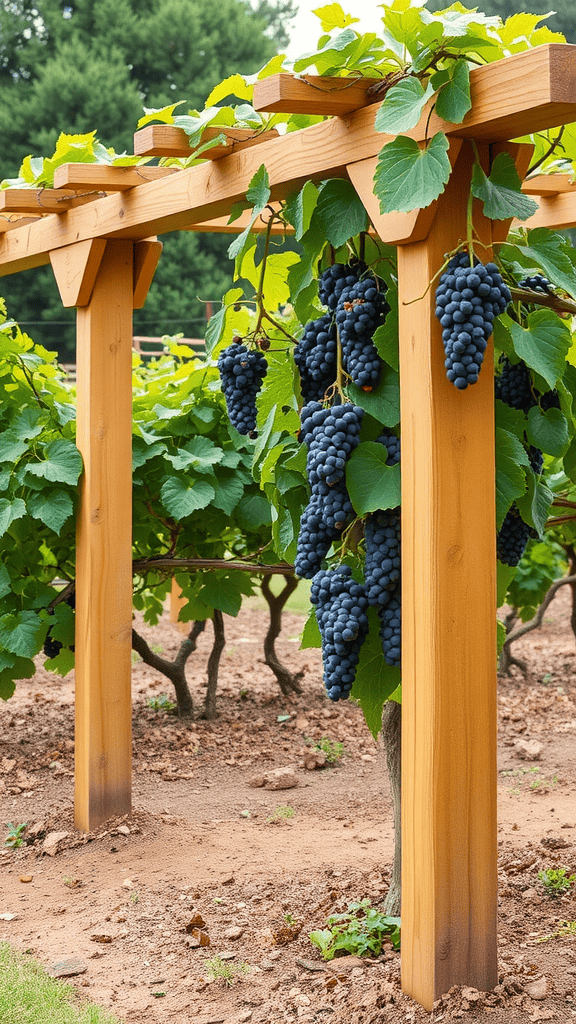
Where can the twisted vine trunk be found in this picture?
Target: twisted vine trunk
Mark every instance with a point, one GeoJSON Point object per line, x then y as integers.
{"type": "Point", "coordinates": [392, 739]}
{"type": "Point", "coordinates": [214, 664]}
{"type": "Point", "coordinates": [571, 553]}
{"type": "Point", "coordinates": [507, 659]}
{"type": "Point", "coordinates": [175, 670]}
{"type": "Point", "coordinates": [288, 682]}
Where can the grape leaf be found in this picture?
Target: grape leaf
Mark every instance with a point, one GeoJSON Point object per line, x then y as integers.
{"type": "Point", "coordinates": [9, 512]}
{"type": "Point", "coordinates": [53, 508]}
{"type": "Point", "coordinates": [501, 191]}
{"type": "Point", "coordinates": [340, 211]}
{"type": "Point", "coordinates": [408, 177]}
{"type": "Point", "coordinates": [63, 463]}
{"type": "Point", "coordinates": [375, 681]}
{"type": "Point", "coordinates": [534, 505]}
{"type": "Point", "coordinates": [453, 101]}
{"type": "Point", "coordinates": [543, 344]}
{"type": "Point", "coordinates": [257, 194]}
{"type": "Point", "coordinates": [22, 633]}
{"type": "Point", "coordinates": [311, 634]}
{"type": "Point", "coordinates": [401, 109]}
{"type": "Point", "coordinates": [181, 499]}
{"type": "Point", "coordinates": [371, 483]}
{"type": "Point", "coordinates": [548, 431]}
{"type": "Point", "coordinates": [510, 477]}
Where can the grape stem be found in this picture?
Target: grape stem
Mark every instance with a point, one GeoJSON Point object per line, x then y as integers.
{"type": "Point", "coordinates": [554, 302]}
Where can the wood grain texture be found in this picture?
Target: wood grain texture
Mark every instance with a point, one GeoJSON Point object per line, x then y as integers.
{"type": "Point", "coordinates": [146, 258]}
{"type": "Point", "coordinates": [312, 95]}
{"type": "Point", "coordinates": [548, 184]}
{"type": "Point", "coordinates": [75, 269]}
{"type": "Point", "coordinates": [449, 840]}
{"type": "Point", "coordinates": [106, 179]}
{"type": "Point", "coordinates": [42, 200]}
{"type": "Point", "coordinates": [536, 86]}
{"type": "Point", "coordinates": [557, 211]}
{"type": "Point", "coordinates": [166, 140]}
{"type": "Point", "coordinates": [104, 534]}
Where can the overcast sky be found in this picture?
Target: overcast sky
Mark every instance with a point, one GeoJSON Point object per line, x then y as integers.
{"type": "Point", "coordinates": [307, 27]}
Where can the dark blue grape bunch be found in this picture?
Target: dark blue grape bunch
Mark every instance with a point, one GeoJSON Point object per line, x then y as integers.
{"type": "Point", "coordinates": [242, 371]}
{"type": "Point", "coordinates": [341, 612]}
{"type": "Point", "coordinates": [468, 299]}
{"type": "Point", "coordinates": [514, 386]}
{"type": "Point", "coordinates": [315, 357]}
{"type": "Point", "coordinates": [51, 646]}
{"type": "Point", "coordinates": [382, 561]}
{"type": "Point", "coordinates": [361, 309]}
{"type": "Point", "coordinates": [537, 283]}
{"type": "Point", "coordinates": [333, 281]}
{"type": "Point", "coordinates": [513, 537]}
{"type": "Point", "coordinates": [392, 445]}
{"type": "Point", "coordinates": [330, 434]}
{"type": "Point", "coordinates": [391, 629]}
{"type": "Point", "coordinates": [536, 459]}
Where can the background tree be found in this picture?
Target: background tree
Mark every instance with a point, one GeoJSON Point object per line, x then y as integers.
{"type": "Point", "coordinates": [93, 64]}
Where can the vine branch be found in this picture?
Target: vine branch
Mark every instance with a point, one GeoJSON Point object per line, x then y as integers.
{"type": "Point", "coordinates": [534, 623]}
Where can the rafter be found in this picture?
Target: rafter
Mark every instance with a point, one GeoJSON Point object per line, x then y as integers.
{"type": "Point", "coordinates": [42, 200]}
{"type": "Point", "coordinates": [101, 177]}
{"type": "Point", "coordinates": [166, 140]}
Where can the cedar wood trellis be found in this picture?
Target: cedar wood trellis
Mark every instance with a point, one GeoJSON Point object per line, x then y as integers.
{"type": "Point", "coordinates": [103, 257]}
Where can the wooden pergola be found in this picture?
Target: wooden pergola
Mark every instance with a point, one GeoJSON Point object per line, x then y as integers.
{"type": "Point", "coordinates": [97, 228]}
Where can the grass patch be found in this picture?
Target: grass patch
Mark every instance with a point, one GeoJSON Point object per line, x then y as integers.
{"type": "Point", "coordinates": [28, 995]}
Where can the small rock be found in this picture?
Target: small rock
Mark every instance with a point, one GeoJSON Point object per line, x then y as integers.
{"type": "Point", "coordinates": [123, 830]}
{"type": "Point", "coordinates": [101, 938]}
{"type": "Point", "coordinates": [314, 759]}
{"type": "Point", "coordinates": [530, 894]}
{"type": "Point", "coordinates": [25, 878]}
{"type": "Point", "coordinates": [366, 757]}
{"type": "Point", "coordinates": [537, 989]}
{"type": "Point", "coordinates": [281, 778]}
{"type": "Point", "coordinates": [567, 824]}
{"type": "Point", "coordinates": [8, 917]}
{"type": "Point", "coordinates": [301, 1000]}
{"type": "Point", "coordinates": [198, 938]}
{"type": "Point", "coordinates": [529, 750]}
{"type": "Point", "coordinates": [234, 932]}
{"type": "Point", "coordinates": [127, 883]}
{"type": "Point", "coordinates": [344, 964]}
{"type": "Point", "coordinates": [52, 841]}
{"type": "Point", "coordinates": [257, 781]}
{"type": "Point", "coordinates": [157, 981]}
{"type": "Point", "coordinates": [472, 995]}
{"type": "Point", "coordinates": [68, 968]}
{"type": "Point", "coordinates": [196, 921]}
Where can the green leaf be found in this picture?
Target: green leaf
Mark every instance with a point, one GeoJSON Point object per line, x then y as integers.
{"type": "Point", "coordinates": [534, 505]}
{"type": "Point", "coordinates": [386, 338]}
{"type": "Point", "coordinates": [299, 208]}
{"type": "Point", "coordinates": [510, 477]}
{"type": "Point", "coordinates": [453, 101]}
{"type": "Point", "coordinates": [64, 624]}
{"type": "Point", "coordinates": [548, 251]}
{"type": "Point", "coordinates": [9, 512]}
{"type": "Point", "coordinates": [252, 513]}
{"type": "Point", "coordinates": [228, 492]}
{"type": "Point", "coordinates": [5, 581]}
{"type": "Point", "coordinates": [28, 423]}
{"type": "Point", "coordinates": [402, 107]}
{"type": "Point", "coordinates": [371, 483]}
{"type": "Point", "coordinates": [544, 344]}
{"type": "Point", "coordinates": [62, 664]}
{"type": "Point", "coordinates": [504, 576]}
{"type": "Point", "coordinates": [408, 177]}
{"type": "Point", "coordinates": [63, 463]}
{"type": "Point", "coordinates": [311, 634]}
{"type": "Point", "coordinates": [234, 85]}
{"type": "Point", "coordinates": [375, 681]}
{"type": "Point", "coordinates": [501, 191]}
{"type": "Point", "coordinates": [384, 402]}
{"type": "Point", "coordinates": [180, 499]}
{"type": "Point", "coordinates": [7, 684]}
{"type": "Point", "coordinates": [53, 508]}
{"type": "Point", "coordinates": [22, 634]}
{"type": "Point", "coordinates": [257, 194]}
{"type": "Point", "coordinates": [548, 431]}
{"type": "Point", "coordinates": [341, 211]}
{"type": "Point", "coordinates": [500, 636]}
{"type": "Point", "coordinates": [11, 446]}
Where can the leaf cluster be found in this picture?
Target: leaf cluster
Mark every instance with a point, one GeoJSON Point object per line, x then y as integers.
{"type": "Point", "coordinates": [362, 930]}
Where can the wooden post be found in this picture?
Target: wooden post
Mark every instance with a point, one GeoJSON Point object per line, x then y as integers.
{"type": "Point", "coordinates": [449, 838]}
{"type": "Point", "coordinates": [104, 543]}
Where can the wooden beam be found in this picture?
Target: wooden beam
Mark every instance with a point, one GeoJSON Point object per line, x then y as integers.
{"type": "Point", "coordinates": [394, 228]}
{"type": "Point", "coordinates": [103, 539]}
{"type": "Point", "coordinates": [17, 221]}
{"type": "Point", "coordinates": [527, 92]}
{"type": "Point", "coordinates": [449, 836]}
{"type": "Point", "coordinates": [557, 211]}
{"type": "Point", "coordinates": [312, 94]}
{"type": "Point", "coordinates": [75, 269]}
{"type": "Point", "coordinates": [42, 200]}
{"type": "Point", "coordinates": [146, 257]}
{"type": "Point", "coordinates": [166, 140]}
{"type": "Point", "coordinates": [549, 184]}
{"type": "Point", "coordinates": [107, 179]}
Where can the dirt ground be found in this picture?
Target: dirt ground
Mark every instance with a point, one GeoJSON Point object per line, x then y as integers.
{"type": "Point", "coordinates": [203, 844]}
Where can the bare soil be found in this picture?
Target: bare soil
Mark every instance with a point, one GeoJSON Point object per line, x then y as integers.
{"type": "Point", "coordinates": [201, 841]}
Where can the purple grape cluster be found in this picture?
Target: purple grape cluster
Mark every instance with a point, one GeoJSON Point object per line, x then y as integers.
{"type": "Point", "coordinates": [315, 357]}
{"type": "Point", "coordinates": [382, 562]}
{"type": "Point", "coordinates": [391, 630]}
{"type": "Point", "coordinates": [330, 434]}
{"type": "Point", "coordinates": [513, 537]}
{"type": "Point", "coordinates": [537, 283]}
{"type": "Point", "coordinates": [241, 374]}
{"type": "Point", "coordinates": [361, 309]}
{"type": "Point", "coordinates": [335, 279]}
{"type": "Point", "coordinates": [341, 612]}
{"type": "Point", "coordinates": [51, 646]}
{"type": "Point", "coordinates": [468, 299]}
{"type": "Point", "coordinates": [514, 386]}
{"type": "Point", "coordinates": [392, 446]}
